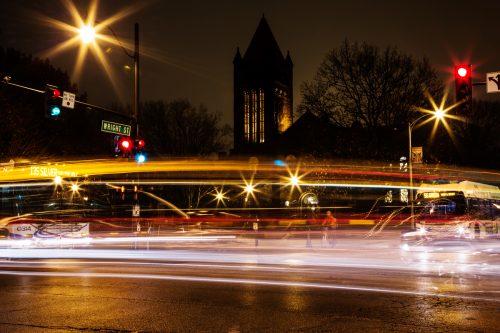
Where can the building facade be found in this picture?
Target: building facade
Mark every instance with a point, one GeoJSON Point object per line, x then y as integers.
{"type": "Point", "coordinates": [263, 94]}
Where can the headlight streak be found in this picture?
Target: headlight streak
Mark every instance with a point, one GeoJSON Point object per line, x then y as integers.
{"type": "Point", "coordinates": [109, 240]}
{"type": "Point", "coordinates": [273, 283]}
{"type": "Point", "coordinates": [46, 263]}
{"type": "Point", "coordinates": [307, 260]}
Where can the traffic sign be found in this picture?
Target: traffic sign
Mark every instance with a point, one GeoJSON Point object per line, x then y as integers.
{"type": "Point", "coordinates": [493, 82]}
{"type": "Point", "coordinates": [115, 128]}
{"type": "Point", "coordinates": [136, 212]}
{"type": "Point", "coordinates": [68, 100]}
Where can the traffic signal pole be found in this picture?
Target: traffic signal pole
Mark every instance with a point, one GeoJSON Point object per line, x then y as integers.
{"type": "Point", "coordinates": [7, 80]}
{"type": "Point", "coordinates": [136, 80]}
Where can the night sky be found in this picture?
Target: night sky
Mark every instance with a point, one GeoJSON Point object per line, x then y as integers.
{"type": "Point", "coordinates": [189, 45]}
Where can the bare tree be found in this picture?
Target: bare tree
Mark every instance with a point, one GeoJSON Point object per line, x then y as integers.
{"type": "Point", "coordinates": [178, 128]}
{"type": "Point", "coordinates": [359, 84]}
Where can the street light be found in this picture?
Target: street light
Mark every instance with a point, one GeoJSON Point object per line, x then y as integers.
{"type": "Point", "coordinates": [88, 34]}
{"type": "Point", "coordinates": [437, 114]}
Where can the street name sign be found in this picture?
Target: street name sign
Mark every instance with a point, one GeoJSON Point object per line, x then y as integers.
{"type": "Point", "coordinates": [115, 128]}
{"type": "Point", "coordinates": [493, 82]}
{"type": "Point", "coordinates": [68, 100]}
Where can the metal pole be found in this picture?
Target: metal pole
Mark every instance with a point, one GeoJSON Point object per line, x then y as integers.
{"type": "Point", "coordinates": [136, 81]}
{"type": "Point", "coordinates": [410, 167]}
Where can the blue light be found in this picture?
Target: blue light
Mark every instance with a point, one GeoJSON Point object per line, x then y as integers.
{"type": "Point", "coordinates": [279, 163]}
{"type": "Point", "coordinates": [140, 158]}
{"type": "Point", "coordinates": [55, 111]}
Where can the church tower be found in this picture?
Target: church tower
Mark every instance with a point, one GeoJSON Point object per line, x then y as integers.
{"type": "Point", "coordinates": [263, 93]}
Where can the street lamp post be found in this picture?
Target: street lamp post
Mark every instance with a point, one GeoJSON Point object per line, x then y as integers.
{"type": "Point", "coordinates": [136, 80]}
{"type": "Point", "coordinates": [87, 35]}
{"type": "Point", "coordinates": [438, 114]}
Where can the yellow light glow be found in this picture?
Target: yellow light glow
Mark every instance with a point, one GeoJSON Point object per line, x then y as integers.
{"type": "Point", "coordinates": [58, 180]}
{"type": "Point", "coordinates": [75, 187]}
{"type": "Point", "coordinates": [249, 188]}
{"type": "Point", "coordinates": [439, 114]}
{"type": "Point", "coordinates": [219, 196]}
{"type": "Point", "coordinates": [293, 180]}
{"type": "Point", "coordinates": [87, 34]}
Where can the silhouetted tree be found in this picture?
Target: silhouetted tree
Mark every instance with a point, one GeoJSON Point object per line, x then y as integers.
{"type": "Point", "coordinates": [360, 85]}
{"type": "Point", "coordinates": [477, 137]}
{"type": "Point", "coordinates": [24, 131]}
{"type": "Point", "coordinates": [177, 128]}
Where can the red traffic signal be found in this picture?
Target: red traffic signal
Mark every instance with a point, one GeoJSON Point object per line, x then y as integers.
{"type": "Point", "coordinates": [462, 71]}
{"type": "Point", "coordinates": [463, 85]}
{"type": "Point", "coordinates": [125, 144]}
{"type": "Point", "coordinates": [139, 144]}
{"type": "Point", "coordinates": [56, 93]}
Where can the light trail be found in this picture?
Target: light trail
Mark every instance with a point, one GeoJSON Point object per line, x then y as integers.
{"type": "Point", "coordinates": [86, 168]}
{"type": "Point", "coordinates": [36, 242]}
{"type": "Point", "coordinates": [325, 259]}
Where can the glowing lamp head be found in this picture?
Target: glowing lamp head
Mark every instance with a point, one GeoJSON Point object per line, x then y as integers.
{"type": "Point", "coordinates": [87, 34]}
{"type": "Point", "coordinates": [462, 71]}
{"type": "Point", "coordinates": [249, 188]}
{"type": "Point", "coordinates": [439, 114]}
{"type": "Point", "coordinates": [140, 143]}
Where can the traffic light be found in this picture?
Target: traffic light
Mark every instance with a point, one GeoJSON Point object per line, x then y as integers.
{"type": "Point", "coordinates": [140, 156]}
{"type": "Point", "coordinates": [463, 85]}
{"type": "Point", "coordinates": [52, 102]}
{"type": "Point", "coordinates": [123, 146]}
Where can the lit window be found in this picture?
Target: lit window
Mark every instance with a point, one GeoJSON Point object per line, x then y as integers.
{"type": "Point", "coordinates": [254, 116]}
{"type": "Point", "coordinates": [261, 115]}
{"type": "Point", "coordinates": [246, 106]}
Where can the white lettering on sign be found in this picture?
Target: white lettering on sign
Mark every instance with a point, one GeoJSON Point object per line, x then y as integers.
{"type": "Point", "coordinates": [68, 100]}
{"type": "Point", "coordinates": [44, 171]}
{"type": "Point", "coordinates": [115, 128]}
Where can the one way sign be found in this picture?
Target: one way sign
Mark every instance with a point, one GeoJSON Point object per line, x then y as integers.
{"type": "Point", "coordinates": [493, 82]}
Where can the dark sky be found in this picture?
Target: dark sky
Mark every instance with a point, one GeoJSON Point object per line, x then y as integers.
{"type": "Point", "coordinates": [193, 42]}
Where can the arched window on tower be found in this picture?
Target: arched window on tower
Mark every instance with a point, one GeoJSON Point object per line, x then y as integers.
{"type": "Point", "coordinates": [261, 115]}
{"type": "Point", "coordinates": [246, 115]}
{"type": "Point", "coordinates": [254, 116]}
{"type": "Point", "coordinates": [282, 112]}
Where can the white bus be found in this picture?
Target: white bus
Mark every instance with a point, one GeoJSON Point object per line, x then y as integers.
{"type": "Point", "coordinates": [463, 209]}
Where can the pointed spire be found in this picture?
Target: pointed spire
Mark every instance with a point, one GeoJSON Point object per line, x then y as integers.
{"type": "Point", "coordinates": [263, 44]}
{"type": "Point", "coordinates": [237, 57]}
{"type": "Point", "coordinates": [288, 58]}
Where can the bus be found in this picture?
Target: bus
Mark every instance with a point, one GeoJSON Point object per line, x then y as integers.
{"type": "Point", "coordinates": [465, 210]}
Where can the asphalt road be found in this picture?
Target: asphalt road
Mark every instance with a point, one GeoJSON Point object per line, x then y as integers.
{"type": "Point", "coordinates": [240, 286]}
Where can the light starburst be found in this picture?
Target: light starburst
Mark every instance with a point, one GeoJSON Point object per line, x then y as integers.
{"type": "Point", "coordinates": [86, 34]}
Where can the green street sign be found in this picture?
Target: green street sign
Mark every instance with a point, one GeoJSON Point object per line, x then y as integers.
{"type": "Point", "coordinates": [115, 128]}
